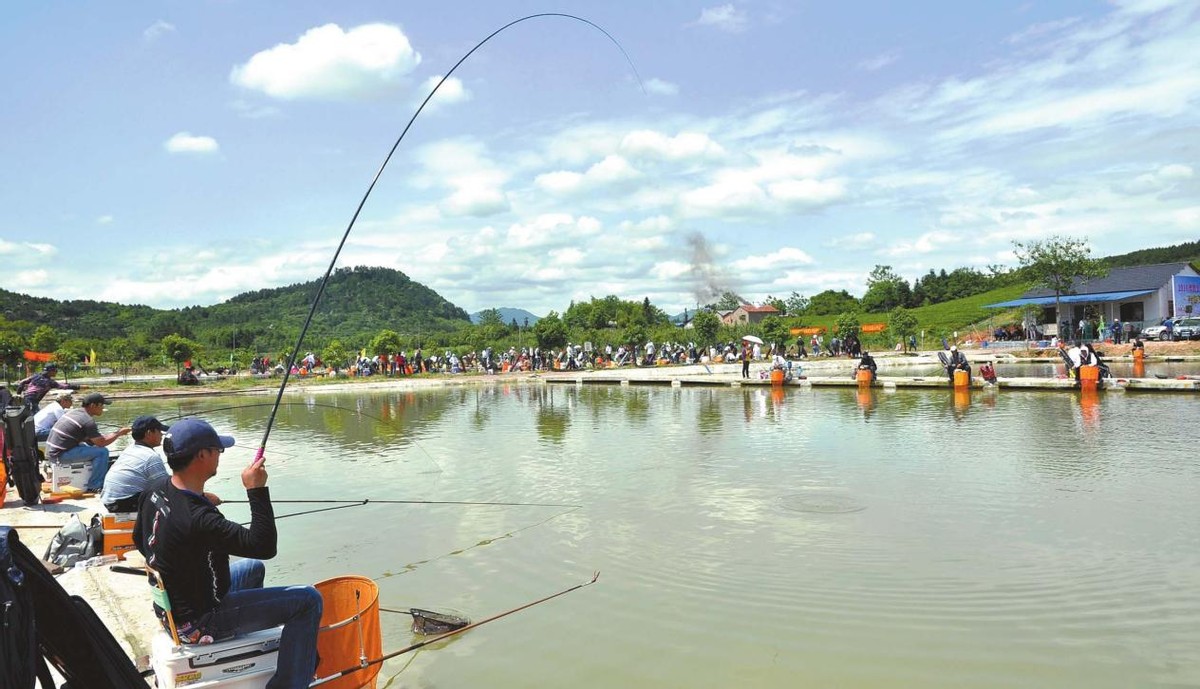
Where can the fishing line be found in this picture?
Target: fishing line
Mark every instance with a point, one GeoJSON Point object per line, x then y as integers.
{"type": "Point", "coordinates": [460, 630]}
{"type": "Point", "coordinates": [287, 371]}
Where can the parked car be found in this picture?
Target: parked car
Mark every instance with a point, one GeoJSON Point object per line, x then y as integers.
{"type": "Point", "coordinates": [1154, 332]}
{"type": "Point", "coordinates": [1187, 329]}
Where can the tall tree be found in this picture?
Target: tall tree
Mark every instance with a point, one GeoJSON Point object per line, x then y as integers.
{"type": "Point", "coordinates": [45, 339]}
{"type": "Point", "coordinates": [796, 304]}
{"type": "Point", "coordinates": [1059, 264]}
{"type": "Point", "coordinates": [706, 324]}
{"type": "Point", "coordinates": [902, 324]}
{"type": "Point", "coordinates": [728, 302]}
{"type": "Point", "coordinates": [829, 302]}
{"type": "Point", "coordinates": [885, 290]}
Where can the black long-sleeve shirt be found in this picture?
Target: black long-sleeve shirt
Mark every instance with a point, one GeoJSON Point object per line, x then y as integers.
{"type": "Point", "coordinates": [188, 541]}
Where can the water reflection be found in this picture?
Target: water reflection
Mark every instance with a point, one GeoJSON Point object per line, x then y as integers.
{"type": "Point", "coordinates": [932, 538]}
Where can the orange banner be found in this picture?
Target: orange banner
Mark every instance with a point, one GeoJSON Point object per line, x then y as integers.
{"type": "Point", "coordinates": [873, 327]}
{"type": "Point", "coordinates": [811, 330]}
{"type": "Point", "coordinates": [38, 356]}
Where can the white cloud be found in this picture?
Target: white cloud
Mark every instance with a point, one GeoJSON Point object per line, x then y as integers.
{"type": "Point", "coordinates": [451, 92]}
{"type": "Point", "coordinates": [1162, 178]}
{"type": "Point", "coordinates": [612, 170]}
{"type": "Point", "coordinates": [465, 167]}
{"type": "Point", "coordinates": [926, 243]}
{"type": "Point", "coordinates": [776, 260]}
{"type": "Point", "coordinates": [658, 87]}
{"type": "Point", "coordinates": [330, 63]}
{"type": "Point", "coordinates": [104, 220]}
{"type": "Point", "coordinates": [723, 17]}
{"type": "Point", "coordinates": [8, 248]}
{"type": "Point", "coordinates": [858, 240]}
{"type": "Point", "coordinates": [729, 196]}
{"type": "Point", "coordinates": [807, 192]}
{"type": "Point", "coordinates": [157, 30]}
{"type": "Point", "coordinates": [878, 62]}
{"type": "Point", "coordinates": [31, 278]}
{"type": "Point", "coordinates": [645, 143]}
{"type": "Point", "coordinates": [186, 142]}
{"type": "Point", "coordinates": [477, 201]}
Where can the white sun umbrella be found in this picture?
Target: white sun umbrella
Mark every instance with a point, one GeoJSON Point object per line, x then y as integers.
{"type": "Point", "coordinates": [752, 338]}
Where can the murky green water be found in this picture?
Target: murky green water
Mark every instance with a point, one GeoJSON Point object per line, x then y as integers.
{"type": "Point", "coordinates": [815, 538]}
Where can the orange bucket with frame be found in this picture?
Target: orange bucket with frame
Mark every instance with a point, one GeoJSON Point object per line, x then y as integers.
{"type": "Point", "coordinates": [863, 376]}
{"type": "Point", "coordinates": [776, 377]}
{"type": "Point", "coordinates": [1139, 355]}
{"type": "Point", "coordinates": [1089, 374]}
{"type": "Point", "coordinates": [349, 630]}
{"type": "Point", "coordinates": [962, 379]}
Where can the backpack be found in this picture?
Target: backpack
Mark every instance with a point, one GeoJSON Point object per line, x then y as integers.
{"type": "Point", "coordinates": [75, 542]}
{"type": "Point", "coordinates": [61, 629]}
{"type": "Point", "coordinates": [18, 636]}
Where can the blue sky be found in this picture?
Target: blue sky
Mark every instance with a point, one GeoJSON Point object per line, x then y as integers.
{"type": "Point", "coordinates": [175, 153]}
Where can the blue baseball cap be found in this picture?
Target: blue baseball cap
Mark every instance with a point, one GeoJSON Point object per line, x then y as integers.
{"type": "Point", "coordinates": [191, 435]}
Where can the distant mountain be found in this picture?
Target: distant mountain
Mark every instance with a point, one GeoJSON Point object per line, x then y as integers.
{"type": "Point", "coordinates": [508, 314]}
{"type": "Point", "coordinates": [357, 304]}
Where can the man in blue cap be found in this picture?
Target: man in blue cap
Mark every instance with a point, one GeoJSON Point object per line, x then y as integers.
{"type": "Point", "coordinates": [138, 467]}
{"type": "Point", "coordinates": [188, 542]}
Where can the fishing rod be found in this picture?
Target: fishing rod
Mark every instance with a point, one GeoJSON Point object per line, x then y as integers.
{"type": "Point", "coordinates": [367, 663]}
{"type": "Point", "coordinates": [287, 371]}
{"type": "Point", "coordinates": [344, 504]}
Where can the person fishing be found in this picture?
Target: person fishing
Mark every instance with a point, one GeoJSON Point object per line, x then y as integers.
{"type": "Point", "coordinates": [957, 361]}
{"type": "Point", "coordinates": [35, 387]}
{"type": "Point", "coordinates": [867, 363]}
{"type": "Point", "coordinates": [75, 437]}
{"type": "Point", "coordinates": [138, 467]}
{"type": "Point", "coordinates": [187, 541]}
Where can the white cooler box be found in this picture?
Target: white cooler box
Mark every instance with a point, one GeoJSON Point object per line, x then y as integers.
{"type": "Point", "coordinates": [74, 474]}
{"type": "Point", "coordinates": [243, 662]}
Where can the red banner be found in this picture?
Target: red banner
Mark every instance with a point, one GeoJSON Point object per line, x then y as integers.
{"type": "Point", "coordinates": [38, 356]}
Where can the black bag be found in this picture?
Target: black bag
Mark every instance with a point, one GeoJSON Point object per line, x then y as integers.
{"type": "Point", "coordinates": [20, 443]}
{"type": "Point", "coordinates": [18, 635]}
{"type": "Point", "coordinates": [68, 632]}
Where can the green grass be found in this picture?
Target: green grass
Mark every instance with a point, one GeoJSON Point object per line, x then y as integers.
{"type": "Point", "coordinates": [942, 320]}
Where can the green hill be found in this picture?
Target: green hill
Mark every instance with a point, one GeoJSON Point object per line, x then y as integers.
{"type": "Point", "coordinates": [357, 304]}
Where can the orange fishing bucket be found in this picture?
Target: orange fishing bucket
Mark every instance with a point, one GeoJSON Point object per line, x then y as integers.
{"type": "Point", "coordinates": [349, 630]}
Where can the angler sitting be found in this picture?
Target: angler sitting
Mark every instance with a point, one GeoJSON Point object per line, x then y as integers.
{"type": "Point", "coordinates": [188, 542]}
{"type": "Point", "coordinates": [138, 467]}
{"type": "Point", "coordinates": [957, 362]}
{"type": "Point", "coordinates": [867, 363]}
{"type": "Point", "coordinates": [188, 377]}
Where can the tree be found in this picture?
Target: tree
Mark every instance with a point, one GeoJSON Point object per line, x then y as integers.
{"type": "Point", "coordinates": [778, 304]}
{"type": "Point", "coordinates": [1059, 264]}
{"type": "Point", "coordinates": [490, 317]}
{"type": "Point", "coordinates": [120, 350]}
{"type": "Point", "coordinates": [902, 324]}
{"type": "Point", "coordinates": [706, 324]}
{"type": "Point", "coordinates": [776, 331]}
{"type": "Point", "coordinates": [728, 302]}
{"type": "Point", "coordinates": [550, 332]}
{"type": "Point", "coordinates": [848, 324]}
{"type": "Point", "coordinates": [336, 355]}
{"type": "Point", "coordinates": [796, 304]}
{"type": "Point", "coordinates": [11, 352]}
{"type": "Point", "coordinates": [388, 342]}
{"type": "Point", "coordinates": [885, 290]}
{"type": "Point", "coordinates": [45, 339]}
{"type": "Point", "coordinates": [830, 302]}
{"type": "Point", "coordinates": [179, 349]}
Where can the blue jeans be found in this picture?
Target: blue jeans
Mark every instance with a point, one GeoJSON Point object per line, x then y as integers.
{"type": "Point", "coordinates": [249, 607]}
{"type": "Point", "coordinates": [98, 456]}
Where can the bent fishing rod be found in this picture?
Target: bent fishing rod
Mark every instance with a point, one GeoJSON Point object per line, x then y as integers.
{"type": "Point", "coordinates": [287, 371]}
{"type": "Point", "coordinates": [368, 663]}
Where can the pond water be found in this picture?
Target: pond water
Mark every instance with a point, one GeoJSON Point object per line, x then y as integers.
{"type": "Point", "coordinates": [751, 538]}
